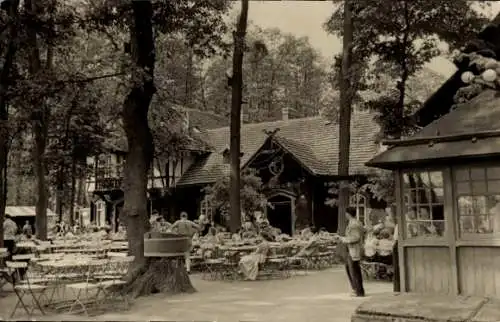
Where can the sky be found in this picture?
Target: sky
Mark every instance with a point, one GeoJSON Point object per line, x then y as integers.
{"type": "Point", "coordinates": [306, 18]}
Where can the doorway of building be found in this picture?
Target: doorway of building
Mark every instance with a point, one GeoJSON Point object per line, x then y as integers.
{"type": "Point", "coordinates": [280, 214]}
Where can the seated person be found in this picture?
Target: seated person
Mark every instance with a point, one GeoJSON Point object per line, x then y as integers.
{"type": "Point", "coordinates": [384, 248]}
{"type": "Point", "coordinates": [249, 264]}
{"type": "Point", "coordinates": [370, 246]}
{"type": "Point", "coordinates": [237, 236]}
{"type": "Point", "coordinates": [306, 233]}
{"type": "Point", "coordinates": [311, 247]}
{"type": "Point", "coordinates": [211, 237]}
{"type": "Point", "coordinates": [266, 228]}
{"type": "Point", "coordinates": [426, 228]}
{"type": "Point", "coordinates": [412, 226]}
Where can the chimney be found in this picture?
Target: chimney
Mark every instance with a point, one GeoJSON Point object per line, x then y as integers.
{"type": "Point", "coordinates": [284, 113]}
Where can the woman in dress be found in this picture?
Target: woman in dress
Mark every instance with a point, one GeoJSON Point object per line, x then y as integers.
{"type": "Point", "coordinates": [249, 264]}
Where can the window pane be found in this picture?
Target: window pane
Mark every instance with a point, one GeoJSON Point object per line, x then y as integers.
{"type": "Point", "coordinates": [423, 197]}
{"type": "Point", "coordinates": [479, 205]}
{"type": "Point", "coordinates": [462, 174]}
{"type": "Point", "coordinates": [478, 187]}
{"type": "Point", "coordinates": [493, 173]}
{"type": "Point", "coordinates": [479, 214]}
{"type": "Point", "coordinates": [463, 188]}
{"type": "Point", "coordinates": [437, 212]}
{"type": "Point", "coordinates": [467, 224]}
{"type": "Point", "coordinates": [465, 206]}
{"type": "Point", "coordinates": [406, 180]}
{"type": "Point", "coordinates": [424, 179]}
{"type": "Point", "coordinates": [477, 174]}
{"type": "Point", "coordinates": [436, 179]}
{"type": "Point", "coordinates": [424, 213]}
{"type": "Point", "coordinates": [494, 186]}
{"type": "Point", "coordinates": [437, 195]}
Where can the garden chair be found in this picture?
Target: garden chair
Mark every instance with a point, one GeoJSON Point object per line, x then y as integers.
{"type": "Point", "coordinates": [213, 268]}
{"type": "Point", "coordinates": [4, 271]}
{"type": "Point", "coordinates": [24, 288]}
{"type": "Point", "coordinates": [82, 291]}
{"type": "Point", "coordinates": [111, 284]}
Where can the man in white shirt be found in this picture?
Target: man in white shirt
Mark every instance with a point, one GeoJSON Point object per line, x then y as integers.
{"type": "Point", "coordinates": [9, 232]}
{"type": "Point", "coordinates": [186, 227]}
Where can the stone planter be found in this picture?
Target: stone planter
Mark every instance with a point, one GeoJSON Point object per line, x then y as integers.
{"type": "Point", "coordinates": [165, 245]}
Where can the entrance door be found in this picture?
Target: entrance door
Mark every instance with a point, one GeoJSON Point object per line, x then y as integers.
{"type": "Point", "coordinates": [280, 216]}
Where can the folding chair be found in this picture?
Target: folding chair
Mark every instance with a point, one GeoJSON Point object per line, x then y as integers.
{"type": "Point", "coordinates": [4, 271]}
{"type": "Point", "coordinates": [23, 287]}
{"type": "Point", "coordinates": [82, 289]}
{"type": "Point", "coordinates": [111, 285]}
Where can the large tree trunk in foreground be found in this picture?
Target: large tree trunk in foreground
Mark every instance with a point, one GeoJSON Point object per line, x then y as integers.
{"type": "Point", "coordinates": [8, 61]}
{"type": "Point", "coordinates": [345, 117]}
{"type": "Point", "coordinates": [145, 275]}
{"type": "Point", "coordinates": [41, 117]}
{"type": "Point", "coordinates": [236, 100]}
{"type": "Point", "coordinates": [161, 275]}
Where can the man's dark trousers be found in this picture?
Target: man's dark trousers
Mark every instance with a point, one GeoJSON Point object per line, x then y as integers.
{"type": "Point", "coordinates": [353, 269]}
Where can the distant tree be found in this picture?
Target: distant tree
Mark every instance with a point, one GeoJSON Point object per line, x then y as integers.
{"type": "Point", "coordinates": [202, 27]}
{"type": "Point", "coordinates": [280, 70]}
{"type": "Point", "coordinates": [251, 193]}
{"type": "Point", "coordinates": [402, 36]}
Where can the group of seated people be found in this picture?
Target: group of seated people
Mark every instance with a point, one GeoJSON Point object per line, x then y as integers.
{"type": "Point", "coordinates": [379, 241]}
{"type": "Point", "coordinates": [64, 231]}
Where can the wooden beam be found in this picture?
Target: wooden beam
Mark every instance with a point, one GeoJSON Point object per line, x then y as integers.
{"type": "Point", "coordinates": [400, 220]}
{"type": "Point", "coordinates": [451, 228]}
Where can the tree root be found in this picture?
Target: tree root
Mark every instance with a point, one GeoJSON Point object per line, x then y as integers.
{"type": "Point", "coordinates": [159, 275]}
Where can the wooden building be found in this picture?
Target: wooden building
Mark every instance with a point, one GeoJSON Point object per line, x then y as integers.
{"type": "Point", "coordinates": [295, 158]}
{"type": "Point", "coordinates": [448, 201]}
{"type": "Point", "coordinates": [106, 169]}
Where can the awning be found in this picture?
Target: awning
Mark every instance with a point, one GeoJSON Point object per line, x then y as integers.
{"type": "Point", "coordinates": [24, 211]}
{"type": "Point", "coordinates": [421, 154]}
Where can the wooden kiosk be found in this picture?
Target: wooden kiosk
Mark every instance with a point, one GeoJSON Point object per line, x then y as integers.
{"type": "Point", "coordinates": [448, 201]}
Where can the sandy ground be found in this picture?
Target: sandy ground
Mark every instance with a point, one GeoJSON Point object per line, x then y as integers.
{"type": "Point", "coordinates": [318, 296]}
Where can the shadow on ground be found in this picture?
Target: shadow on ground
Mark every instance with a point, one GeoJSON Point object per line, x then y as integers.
{"type": "Point", "coordinates": [319, 296]}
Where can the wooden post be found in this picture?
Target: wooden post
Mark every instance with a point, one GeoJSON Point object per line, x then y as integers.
{"type": "Point", "coordinates": [451, 228]}
{"type": "Point", "coordinates": [401, 228]}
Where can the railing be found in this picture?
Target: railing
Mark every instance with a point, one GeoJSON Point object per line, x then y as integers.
{"type": "Point", "coordinates": [103, 184]}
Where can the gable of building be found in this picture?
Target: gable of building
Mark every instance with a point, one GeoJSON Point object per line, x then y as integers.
{"type": "Point", "coordinates": [313, 142]}
{"type": "Point", "coordinates": [442, 100]}
{"type": "Point", "coordinates": [472, 129]}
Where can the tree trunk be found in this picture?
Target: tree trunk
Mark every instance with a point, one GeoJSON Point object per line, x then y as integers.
{"type": "Point", "coordinates": [8, 61]}
{"type": "Point", "coordinates": [72, 192]}
{"type": "Point", "coordinates": [40, 131]}
{"type": "Point", "coordinates": [59, 192]}
{"type": "Point", "coordinates": [40, 126]}
{"type": "Point", "coordinates": [345, 117]}
{"type": "Point", "coordinates": [399, 111]}
{"type": "Point", "coordinates": [236, 99]}
{"type": "Point", "coordinates": [145, 276]}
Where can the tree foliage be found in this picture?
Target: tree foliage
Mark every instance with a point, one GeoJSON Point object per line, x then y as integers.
{"type": "Point", "coordinates": [290, 74]}
{"type": "Point", "coordinates": [251, 193]}
{"type": "Point", "coordinates": [400, 37]}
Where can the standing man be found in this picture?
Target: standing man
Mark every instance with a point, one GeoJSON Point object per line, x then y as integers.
{"type": "Point", "coordinates": [354, 241]}
{"type": "Point", "coordinates": [186, 227]}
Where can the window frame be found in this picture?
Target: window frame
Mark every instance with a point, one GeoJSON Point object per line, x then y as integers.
{"type": "Point", "coordinates": [403, 222]}
{"type": "Point", "coordinates": [100, 209]}
{"type": "Point", "coordinates": [465, 237]}
{"type": "Point", "coordinates": [207, 209]}
{"type": "Point", "coordinates": [357, 205]}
